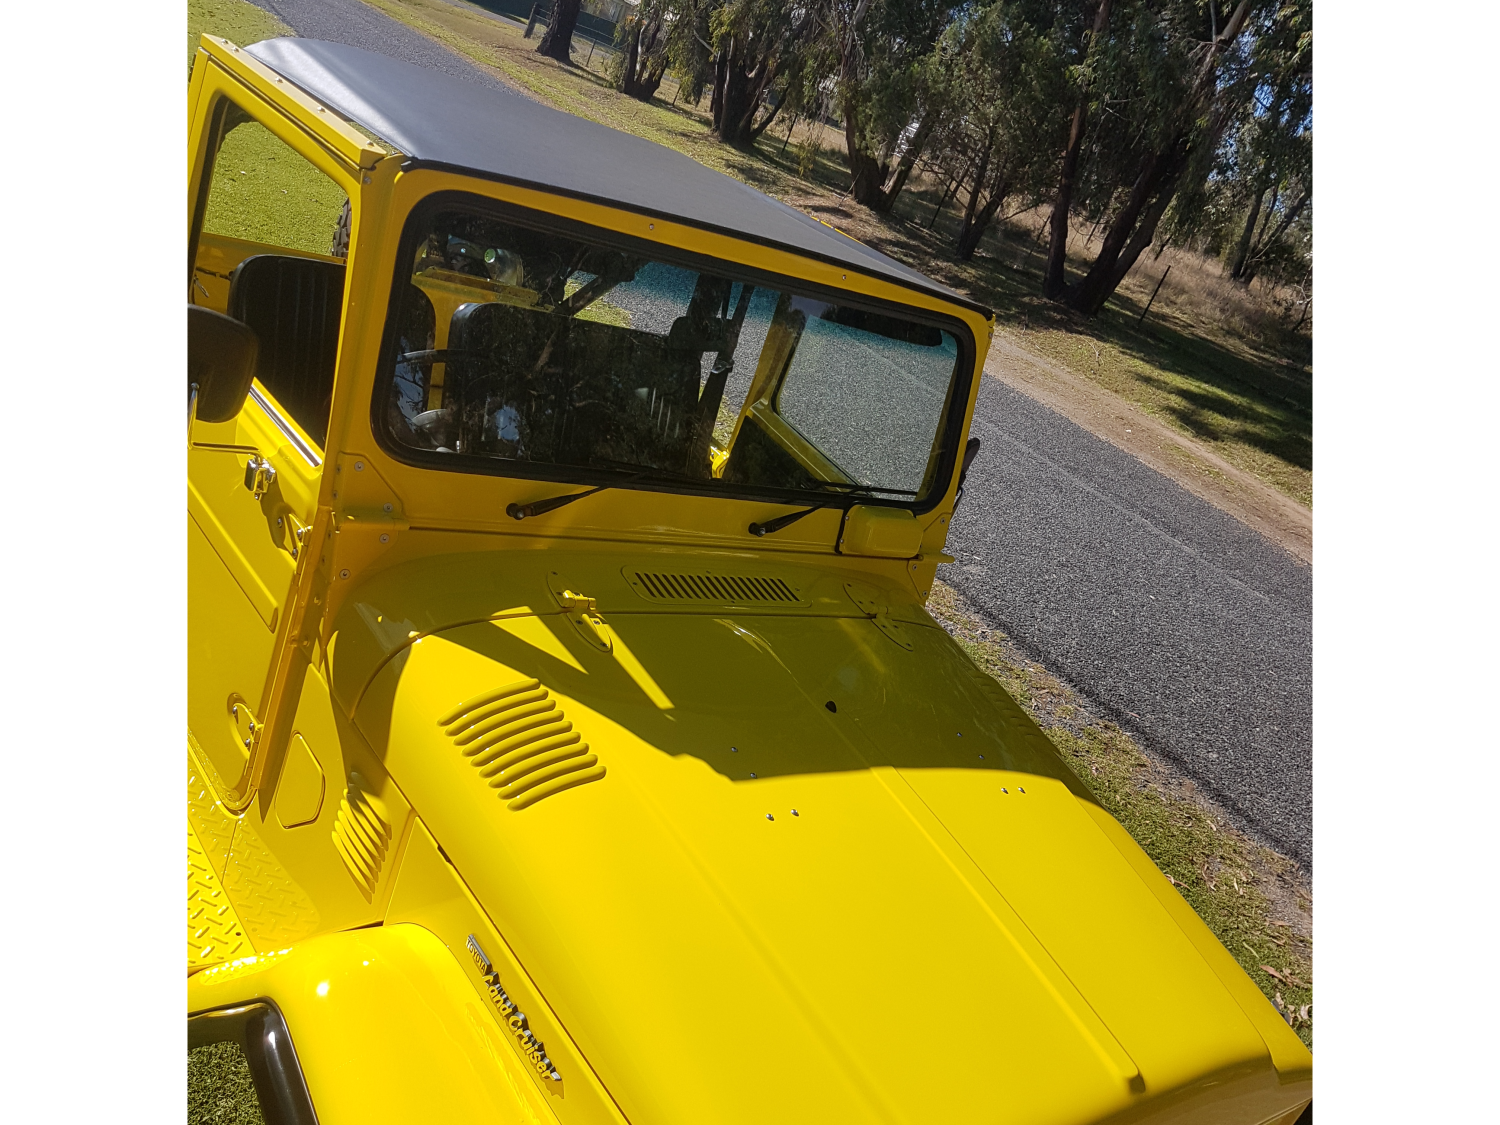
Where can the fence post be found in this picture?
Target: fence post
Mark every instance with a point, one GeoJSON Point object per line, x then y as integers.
{"type": "Point", "coordinates": [1154, 292]}
{"type": "Point", "coordinates": [531, 21]}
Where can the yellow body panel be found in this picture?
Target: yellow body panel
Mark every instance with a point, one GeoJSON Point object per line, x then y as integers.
{"type": "Point", "coordinates": [385, 1026]}
{"type": "Point", "coordinates": [509, 834]}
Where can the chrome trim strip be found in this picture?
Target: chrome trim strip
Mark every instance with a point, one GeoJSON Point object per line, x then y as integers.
{"type": "Point", "coordinates": [309, 454]}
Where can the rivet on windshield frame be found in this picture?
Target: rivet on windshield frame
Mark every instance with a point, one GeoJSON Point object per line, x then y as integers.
{"type": "Point", "coordinates": [981, 757]}
{"type": "Point", "coordinates": [734, 749]}
{"type": "Point", "coordinates": [752, 774]}
{"type": "Point", "coordinates": [770, 817]}
{"type": "Point", "coordinates": [388, 507]}
{"type": "Point", "coordinates": [796, 813]}
{"type": "Point", "coordinates": [385, 538]}
{"type": "Point", "coordinates": [343, 574]}
{"type": "Point", "coordinates": [845, 276]}
{"type": "Point", "coordinates": [650, 226]}
{"type": "Point", "coordinates": [359, 466]}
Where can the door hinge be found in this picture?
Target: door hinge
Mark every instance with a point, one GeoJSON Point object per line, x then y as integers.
{"type": "Point", "coordinates": [876, 610]}
{"type": "Point", "coordinates": [247, 728]}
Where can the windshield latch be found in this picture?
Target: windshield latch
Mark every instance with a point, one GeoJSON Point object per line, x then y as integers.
{"type": "Point", "coordinates": [583, 612]}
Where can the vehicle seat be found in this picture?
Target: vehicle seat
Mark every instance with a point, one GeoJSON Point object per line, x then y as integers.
{"type": "Point", "coordinates": [295, 306]}
{"type": "Point", "coordinates": [578, 391]}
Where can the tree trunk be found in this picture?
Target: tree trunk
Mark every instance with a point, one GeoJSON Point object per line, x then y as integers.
{"type": "Point", "coordinates": [1135, 225]}
{"type": "Point", "coordinates": [907, 162]}
{"type": "Point", "coordinates": [1149, 196]}
{"type": "Point", "coordinates": [867, 175]}
{"type": "Point", "coordinates": [721, 74]}
{"type": "Point", "coordinates": [738, 92]}
{"type": "Point", "coordinates": [1054, 281]}
{"type": "Point", "coordinates": [977, 223]}
{"type": "Point", "coordinates": [632, 59]}
{"type": "Point", "coordinates": [642, 70]}
{"type": "Point", "coordinates": [558, 42]}
{"type": "Point", "coordinates": [1242, 251]}
{"type": "Point", "coordinates": [1265, 242]}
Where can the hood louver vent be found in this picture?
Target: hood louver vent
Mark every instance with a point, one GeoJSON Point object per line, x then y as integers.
{"type": "Point", "coordinates": [362, 836]}
{"type": "Point", "coordinates": [520, 742]}
{"type": "Point", "coordinates": [715, 589]}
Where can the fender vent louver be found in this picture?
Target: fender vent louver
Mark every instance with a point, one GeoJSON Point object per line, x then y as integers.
{"type": "Point", "coordinates": [716, 589]}
{"type": "Point", "coordinates": [362, 836]}
{"type": "Point", "coordinates": [520, 742]}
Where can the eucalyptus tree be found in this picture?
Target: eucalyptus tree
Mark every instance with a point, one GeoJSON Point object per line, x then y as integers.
{"type": "Point", "coordinates": [760, 48]}
{"type": "Point", "coordinates": [1273, 146]}
{"type": "Point", "coordinates": [880, 53]}
{"type": "Point", "coordinates": [997, 78]}
{"type": "Point", "coordinates": [557, 43]}
{"type": "Point", "coordinates": [1162, 80]}
{"type": "Point", "coordinates": [646, 38]}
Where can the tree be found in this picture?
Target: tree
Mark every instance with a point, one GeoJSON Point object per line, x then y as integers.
{"type": "Point", "coordinates": [558, 42]}
{"type": "Point", "coordinates": [998, 83]}
{"type": "Point", "coordinates": [641, 65]}
{"type": "Point", "coordinates": [759, 49]}
{"type": "Point", "coordinates": [1186, 91]}
{"type": "Point", "coordinates": [881, 51]}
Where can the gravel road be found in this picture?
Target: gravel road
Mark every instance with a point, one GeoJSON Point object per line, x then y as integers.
{"type": "Point", "coordinates": [359, 25]}
{"type": "Point", "coordinates": [1188, 628]}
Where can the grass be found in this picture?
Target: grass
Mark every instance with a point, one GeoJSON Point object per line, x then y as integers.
{"type": "Point", "coordinates": [220, 1089]}
{"type": "Point", "coordinates": [261, 190]}
{"type": "Point", "coordinates": [264, 192]}
{"type": "Point", "coordinates": [1255, 901]}
{"type": "Point", "coordinates": [236, 20]}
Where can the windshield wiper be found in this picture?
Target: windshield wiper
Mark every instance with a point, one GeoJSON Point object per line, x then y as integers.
{"type": "Point", "coordinates": [770, 526]}
{"type": "Point", "coordinates": [551, 504]}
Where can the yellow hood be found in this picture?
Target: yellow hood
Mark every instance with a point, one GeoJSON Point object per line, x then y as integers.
{"type": "Point", "coordinates": [824, 877]}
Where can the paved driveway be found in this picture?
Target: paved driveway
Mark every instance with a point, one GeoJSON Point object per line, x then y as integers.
{"type": "Point", "coordinates": [1188, 628]}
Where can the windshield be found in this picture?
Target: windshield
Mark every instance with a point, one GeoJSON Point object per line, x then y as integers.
{"type": "Point", "coordinates": [520, 350]}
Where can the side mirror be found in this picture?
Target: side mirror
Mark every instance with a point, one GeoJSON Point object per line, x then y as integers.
{"type": "Point", "coordinates": [890, 533]}
{"type": "Point", "coordinates": [221, 363]}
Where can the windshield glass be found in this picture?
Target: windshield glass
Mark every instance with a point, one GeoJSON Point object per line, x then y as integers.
{"type": "Point", "coordinates": [521, 350]}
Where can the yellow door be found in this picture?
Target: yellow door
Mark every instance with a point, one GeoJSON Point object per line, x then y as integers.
{"type": "Point", "coordinates": [270, 248]}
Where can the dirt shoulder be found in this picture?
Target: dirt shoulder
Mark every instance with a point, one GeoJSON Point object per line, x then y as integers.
{"type": "Point", "coordinates": [1176, 456]}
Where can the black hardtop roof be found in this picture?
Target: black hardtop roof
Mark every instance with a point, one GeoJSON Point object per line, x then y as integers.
{"type": "Point", "coordinates": [438, 120]}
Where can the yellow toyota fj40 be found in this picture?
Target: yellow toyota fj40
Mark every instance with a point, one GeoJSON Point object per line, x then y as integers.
{"type": "Point", "coordinates": [567, 741]}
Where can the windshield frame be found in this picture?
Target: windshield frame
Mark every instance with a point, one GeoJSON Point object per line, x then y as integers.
{"type": "Point", "coordinates": [415, 228]}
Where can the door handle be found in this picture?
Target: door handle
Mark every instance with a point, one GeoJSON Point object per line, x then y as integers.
{"type": "Point", "coordinates": [260, 474]}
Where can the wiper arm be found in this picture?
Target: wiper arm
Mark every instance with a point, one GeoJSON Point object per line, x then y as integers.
{"type": "Point", "coordinates": [552, 503]}
{"type": "Point", "coordinates": [770, 526]}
